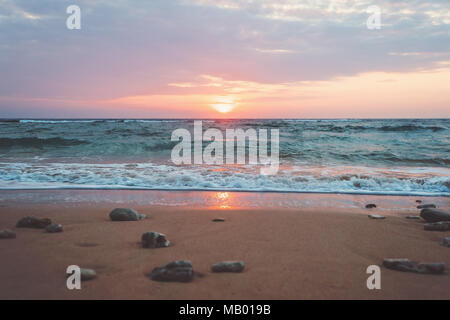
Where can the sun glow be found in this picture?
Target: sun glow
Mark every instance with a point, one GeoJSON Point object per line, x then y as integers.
{"type": "Point", "coordinates": [223, 104]}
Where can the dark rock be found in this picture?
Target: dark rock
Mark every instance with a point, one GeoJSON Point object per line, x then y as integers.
{"type": "Point", "coordinates": [178, 271]}
{"type": "Point", "coordinates": [431, 268]}
{"type": "Point", "coordinates": [437, 226]}
{"type": "Point", "coordinates": [413, 217]}
{"type": "Point", "coordinates": [399, 264]}
{"type": "Point", "coordinates": [419, 201]}
{"type": "Point", "coordinates": [154, 240]}
{"type": "Point", "coordinates": [124, 214]}
{"type": "Point", "coordinates": [376, 216]}
{"type": "Point", "coordinates": [446, 242]}
{"type": "Point", "coordinates": [53, 228]}
{"type": "Point", "coordinates": [87, 274]}
{"type": "Point", "coordinates": [218, 220]}
{"type": "Point", "coordinates": [426, 206]}
{"type": "Point", "coordinates": [228, 266]}
{"type": "Point", "coordinates": [7, 234]}
{"type": "Point", "coordinates": [433, 215]}
{"type": "Point", "coordinates": [32, 222]}
{"type": "Point", "coordinates": [370, 206]}
{"type": "Point", "coordinates": [408, 266]}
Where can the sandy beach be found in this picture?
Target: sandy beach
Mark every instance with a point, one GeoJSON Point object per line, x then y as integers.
{"type": "Point", "coordinates": [289, 253]}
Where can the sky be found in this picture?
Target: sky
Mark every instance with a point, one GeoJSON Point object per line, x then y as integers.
{"type": "Point", "coordinates": [225, 59]}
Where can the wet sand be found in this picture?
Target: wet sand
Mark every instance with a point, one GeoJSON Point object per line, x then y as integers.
{"type": "Point", "coordinates": [304, 253]}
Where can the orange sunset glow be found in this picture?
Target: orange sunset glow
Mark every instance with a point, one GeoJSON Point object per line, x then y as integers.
{"type": "Point", "coordinates": [282, 61]}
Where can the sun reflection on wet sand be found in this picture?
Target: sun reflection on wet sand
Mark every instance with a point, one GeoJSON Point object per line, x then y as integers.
{"type": "Point", "coordinates": [224, 200]}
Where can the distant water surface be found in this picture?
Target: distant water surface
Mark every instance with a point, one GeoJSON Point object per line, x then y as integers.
{"type": "Point", "coordinates": [400, 157]}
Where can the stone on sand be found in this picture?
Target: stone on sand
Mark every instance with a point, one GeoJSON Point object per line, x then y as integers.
{"type": "Point", "coordinates": [426, 206]}
{"type": "Point", "coordinates": [7, 234]}
{"type": "Point", "coordinates": [431, 268]}
{"type": "Point", "coordinates": [433, 215]}
{"type": "Point", "coordinates": [370, 206]}
{"type": "Point", "coordinates": [398, 264]}
{"type": "Point", "coordinates": [376, 216]}
{"type": "Point", "coordinates": [446, 242]}
{"type": "Point", "coordinates": [125, 214]}
{"type": "Point", "coordinates": [413, 217]}
{"type": "Point", "coordinates": [154, 240]}
{"type": "Point", "coordinates": [407, 266]}
{"type": "Point", "coordinates": [33, 222]}
{"type": "Point", "coordinates": [228, 266]}
{"type": "Point", "coordinates": [437, 226]}
{"type": "Point", "coordinates": [218, 220]}
{"type": "Point", "coordinates": [87, 274]}
{"type": "Point", "coordinates": [177, 271]}
{"type": "Point", "coordinates": [54, 228]}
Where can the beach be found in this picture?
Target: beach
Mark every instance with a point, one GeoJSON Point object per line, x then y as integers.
{"type": "Point", "coordinates": [318, 250]}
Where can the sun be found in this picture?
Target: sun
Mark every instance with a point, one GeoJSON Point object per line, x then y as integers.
{"type": "Point", "coordinates": [223, 107]}
{"type": "Point", "coordinates": [223, 104]}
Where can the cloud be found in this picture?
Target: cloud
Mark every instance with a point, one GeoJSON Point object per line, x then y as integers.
{"type": "Point", "coordinates": [138, 48]}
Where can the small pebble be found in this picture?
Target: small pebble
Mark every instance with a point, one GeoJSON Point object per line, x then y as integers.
{"type": "Point", "coordinates": [33, 222]}
{"type": "Point", "coordinates": [7, 234]}
{"type": "Point", "coordinates": [87, 274]}
{"type": "Point", "coordinates": [437, 226]}
{"type": "Point", "coordinates": [53, 228]}
{"type": "Point", "coordinates": [419, 201]}
{"type": "Point", "coordinates": [431, 268]}
{"type": "Point", "coordinates": [426, 206]}
{"type": "Point", "coordinates": [370, 206]}
{"type": "Point", "coordinates": [218, 220]}
{"type": "Point", "coordinates": [178, 271]}
{"type": "Point", "coordinates": [376, 216]}
{"type": "Point", "coordinates": [228, 266]}
{"type": "Point", "coordinates": [413, 217]}
{"type": "Point", "coordinates": [154, 240]}
{"type": "Point", "coordinates": [446, 242]}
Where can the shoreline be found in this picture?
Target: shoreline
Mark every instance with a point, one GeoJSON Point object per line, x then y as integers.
{"type": "Point", "coordinates": [368, 193]}
{"type": "Point", "coordinates": [310, 252]}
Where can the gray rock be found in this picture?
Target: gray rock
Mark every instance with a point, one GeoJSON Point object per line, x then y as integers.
{"type": "Point", "coordinates": [376, 216]}
{"type": "Point", "coordinates": [124, 214]}
{"type": "Point", "coordinates": [228, 266]}
{"type": "Point", "coordinates": [218, 220]}
{"type": "Point", "coordinates": [433, 215]}
{"type": "Point", "coordinates": [7, 234]}
{"type": "Point", "coordinates": [406, 265]}
{"type": "Point", "coordinates": [413, 217]}
{"type": "Point", "coordinates": [33, 222]}
{"type": "Point", "coordinates": [437, 226]}
{"type": "Point", "coordinates": [154, 240]}
{"type": "Point", "coordinates": [370, 206]}
{"type": "Point", "coordinates": [53, 228]}
{"type": "Point", "coordinates": [446, 242]}
{"type": "Point", "coordinates": [87, 274]}
{"type": "Point", "coordinates": [431, 268]}
{"type": "Point", "coordinates": [419, 201]}
{"type": "Point", "coordinates": [178, 271]}
{"type": "Point", "coordinates": [426, 206]}
{"type": "Point", "coordinates": [399, 264]}
{"type": "Point", "coordinates": [142, 216]}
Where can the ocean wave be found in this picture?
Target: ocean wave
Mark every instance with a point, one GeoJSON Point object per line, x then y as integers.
{"type": "Point", "coordinates": [38, 142]}
{"type": "Point", "coordinates": [411, 127]}
{"type": "Point", "coordinates": [401, 180]}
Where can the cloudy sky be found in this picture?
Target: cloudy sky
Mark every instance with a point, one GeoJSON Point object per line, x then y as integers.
{"type": "Point", "coordinates": [224, 58]}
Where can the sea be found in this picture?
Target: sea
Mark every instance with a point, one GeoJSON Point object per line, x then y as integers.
{"type": "Point", "coordinates": [356, 156]}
